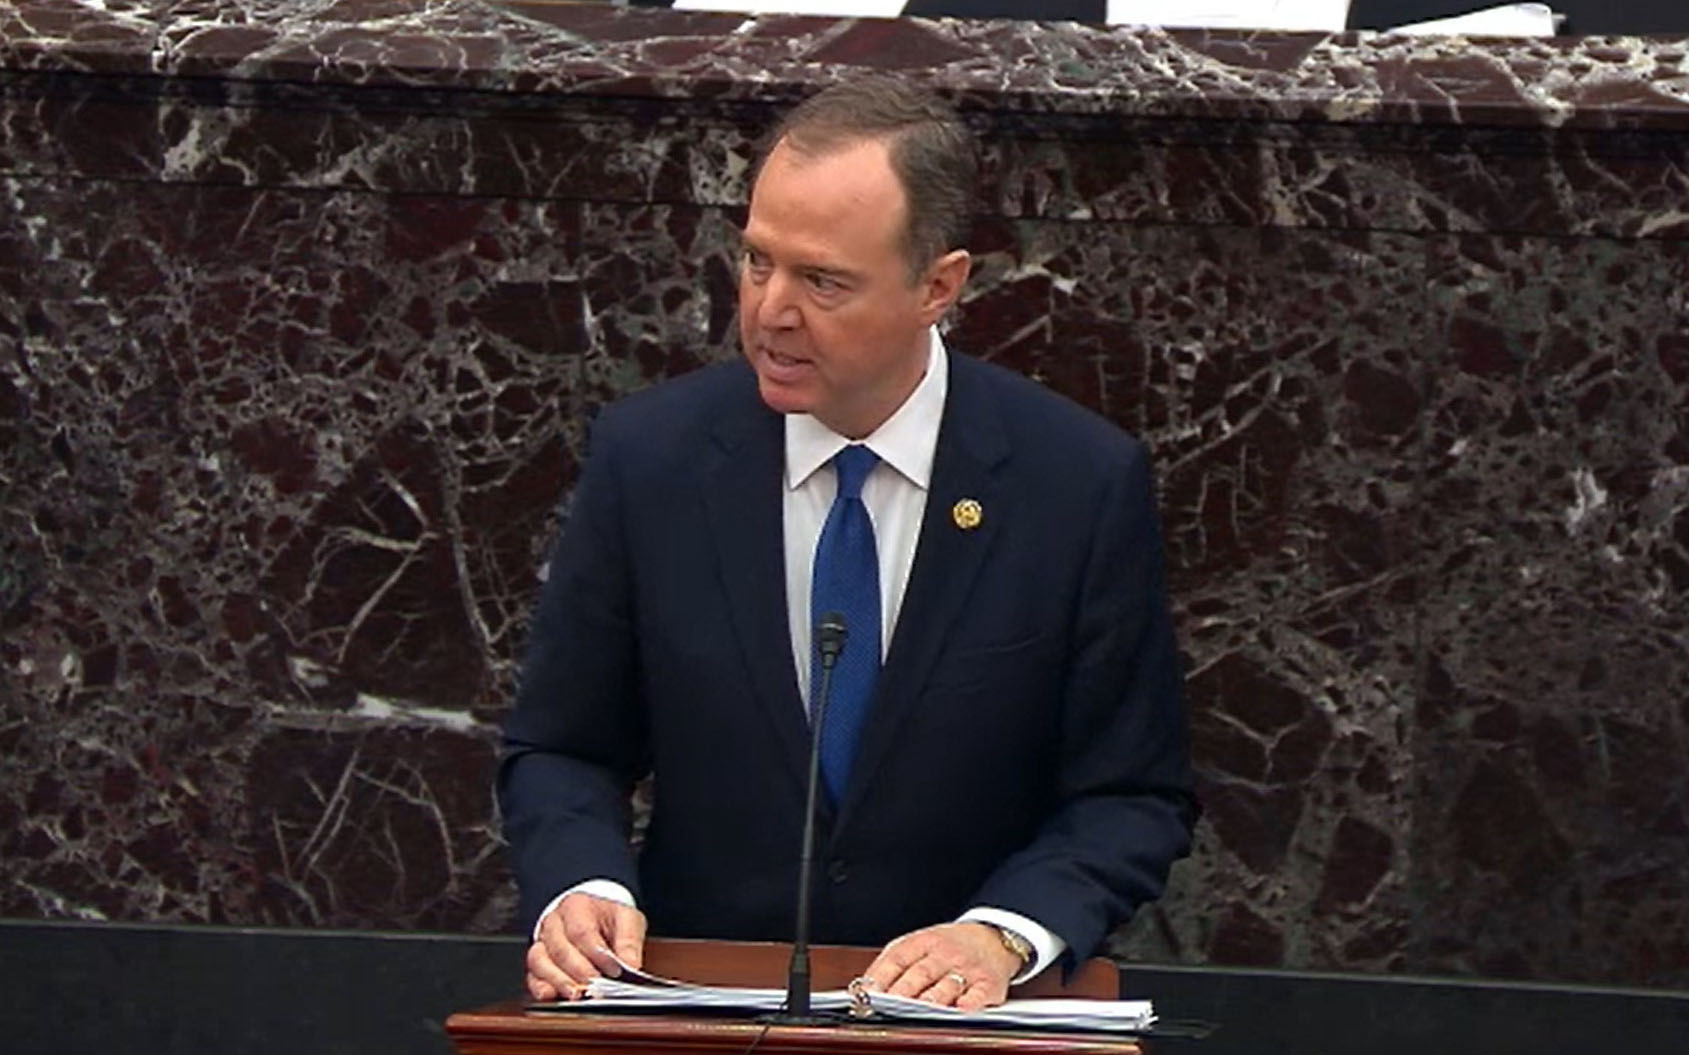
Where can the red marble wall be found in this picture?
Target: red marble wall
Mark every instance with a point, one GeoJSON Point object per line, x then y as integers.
{"type": "Point", "coordinates": [302, 320]}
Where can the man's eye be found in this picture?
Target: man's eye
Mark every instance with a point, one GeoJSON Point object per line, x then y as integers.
{"type": "Point", "coordinates": [824, 283]}
{"type": "Point", "coordinates": [755, 260]}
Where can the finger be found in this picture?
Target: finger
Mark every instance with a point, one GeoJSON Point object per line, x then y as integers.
{"type": "Point", "coordinates": [947, 990]}
{"type": "Point", "coordinates": [893, 960]}
{"type": "Point", "coordinates": [596, 942]}
{"type": "Point", "coordinates": [546, 980]}
{"type": "Point", "coordinates": [987, 990]}
{"type": "Point", "coordinates": [564, 941]}
{"type": "Point", "coordinates": [919, 976]}
{"type": "Point", "coordinates": [539, 990]}
{"type": "Point", "coordinates": [628, 935]}
{"type": "Point", "coordinates": [978, 997]}
{"type": "Point", "coordinates": [603, 960]}
{"type": "Point", "coordinates": [545, 992]}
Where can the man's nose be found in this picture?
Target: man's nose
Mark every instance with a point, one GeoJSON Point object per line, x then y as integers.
{"type": "Point", "coordinates": [778, 309]}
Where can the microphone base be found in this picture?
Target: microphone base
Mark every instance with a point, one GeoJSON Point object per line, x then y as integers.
{"type": "Point", "coordinates": [814, 1018]}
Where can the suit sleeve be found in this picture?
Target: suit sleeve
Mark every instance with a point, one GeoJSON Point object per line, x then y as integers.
{"type": "Point", "coordinates": [574, 742]}
{"type": "Point", "coordinates": [1122, 809]}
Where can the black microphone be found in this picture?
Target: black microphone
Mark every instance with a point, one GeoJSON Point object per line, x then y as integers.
{"type": "Point", "coordinates": [830, 637]}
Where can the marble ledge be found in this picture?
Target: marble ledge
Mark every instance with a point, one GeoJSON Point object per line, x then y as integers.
{"type": "Point", "coordinates": [1639, 84]}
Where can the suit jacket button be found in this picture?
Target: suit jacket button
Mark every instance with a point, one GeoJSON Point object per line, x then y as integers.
{"type": "Point", "coordinates": [837, 872]}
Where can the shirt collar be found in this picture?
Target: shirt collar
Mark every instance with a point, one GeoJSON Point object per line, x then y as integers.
{"type": "Point", "coordinates": [905, 441]}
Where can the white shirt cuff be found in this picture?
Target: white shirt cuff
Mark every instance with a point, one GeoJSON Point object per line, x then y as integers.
{"type": "Point", "coordinates": [608, 889]}
{"type": "Point", "coordinates": [1046, 947]}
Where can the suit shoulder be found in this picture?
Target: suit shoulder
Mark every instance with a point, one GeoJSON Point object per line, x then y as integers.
{"type": "Point", "coordinates": [1040, 418]}
{"type": "Point", "coordinates": [676, 411]}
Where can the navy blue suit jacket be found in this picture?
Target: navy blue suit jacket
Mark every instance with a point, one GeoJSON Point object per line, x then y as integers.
{"type": "Point", "coordinates": [1026, 747]}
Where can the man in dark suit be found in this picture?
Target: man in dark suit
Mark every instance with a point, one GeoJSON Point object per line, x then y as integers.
{"type": "Point", "coordinates": [1004, 745]}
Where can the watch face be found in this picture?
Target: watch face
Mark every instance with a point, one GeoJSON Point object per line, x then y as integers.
{"type": "Point", "coordinates": [1016, 944]}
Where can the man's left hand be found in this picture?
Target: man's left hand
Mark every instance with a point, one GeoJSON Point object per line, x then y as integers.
{"type": "Point", "coordinates": [953, 964]}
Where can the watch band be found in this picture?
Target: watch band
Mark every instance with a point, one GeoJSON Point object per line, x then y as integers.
{"type": "Point", "coordinates": [1016, 944]}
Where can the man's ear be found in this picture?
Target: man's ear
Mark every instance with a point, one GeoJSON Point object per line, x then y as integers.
{"type": "Point", "coordinates": [943, 282]}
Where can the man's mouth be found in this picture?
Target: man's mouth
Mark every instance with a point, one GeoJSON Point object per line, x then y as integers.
{"type": "Point", "coordinates": [783, 360]}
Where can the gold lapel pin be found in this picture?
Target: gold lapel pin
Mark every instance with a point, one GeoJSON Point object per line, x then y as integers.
{"type": "Point", "coordinates": [967, 514]}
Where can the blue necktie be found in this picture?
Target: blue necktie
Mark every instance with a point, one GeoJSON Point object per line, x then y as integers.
{"type": "Point", "coordinates": [847, 581]}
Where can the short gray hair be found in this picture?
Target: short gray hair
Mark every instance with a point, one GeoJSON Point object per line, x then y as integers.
{"type": "Point", "coordinates": [932, 153]}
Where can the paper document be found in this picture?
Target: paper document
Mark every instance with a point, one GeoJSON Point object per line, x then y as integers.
{"type": "Point", "coordinates": [1508, 20]}
{"type": "Point", "coordinates": [1325, 15]}
{"type": "Point", "coordinates": [831, 8]}
{"type": "Point", "coordinates": [641, 990]}
{"type": "Point", "coordinates": [1221, 14]}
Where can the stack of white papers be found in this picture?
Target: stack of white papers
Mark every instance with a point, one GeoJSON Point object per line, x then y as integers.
{"type": "Point", "coordinates": [1111, 1016]}
{"type": "Point", "coordinates": [637, 989]}
{"type": "Point", "coordinates": [1320, 15]}
{"type": "Point", "coordinates": [1507, 20]}
{"type": "Point", "coordinates": [838, 8]}
{"type": "Point", "coordinates": [1248, 14]}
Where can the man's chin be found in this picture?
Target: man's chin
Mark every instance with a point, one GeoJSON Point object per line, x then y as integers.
{"type": "Point", "coordinates": [784, 399]}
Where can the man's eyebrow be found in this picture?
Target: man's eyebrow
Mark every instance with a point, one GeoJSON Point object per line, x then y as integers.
{"type": "Point", "coordinates": [837, 274]}
{"type": "Point", "coordinates": [842, 274]}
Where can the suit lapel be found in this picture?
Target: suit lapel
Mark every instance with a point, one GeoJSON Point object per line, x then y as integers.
{"type": "Point", "coordinates": [970, 449]}
{"type": "Point", "coordinates": [743, 498]}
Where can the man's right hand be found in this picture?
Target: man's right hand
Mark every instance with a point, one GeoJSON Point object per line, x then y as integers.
{"type": "Point", "coordinates": [574, 945]}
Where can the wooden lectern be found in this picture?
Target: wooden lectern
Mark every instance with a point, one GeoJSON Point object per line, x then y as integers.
{"type": "Point", "coordinates": [508, 1029]}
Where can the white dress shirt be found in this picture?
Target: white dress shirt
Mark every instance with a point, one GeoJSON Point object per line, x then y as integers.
{"type": "Point", "coordinates": [895, 494]}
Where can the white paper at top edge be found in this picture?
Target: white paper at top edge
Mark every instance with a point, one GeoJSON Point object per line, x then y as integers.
{"type": "Point", "coordinates": [1319, 15]}
{"type": "Point", "coordinates": [831, 8]}
{"type": "Point", "coordinates": [1508, 20]}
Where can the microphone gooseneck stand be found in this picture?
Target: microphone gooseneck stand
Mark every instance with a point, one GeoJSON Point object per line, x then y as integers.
{"type": "Point", "coordinates": [830, 636]}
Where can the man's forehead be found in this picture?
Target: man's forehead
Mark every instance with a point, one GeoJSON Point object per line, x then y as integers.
{"type": "Point", "coordinates": [851, 178]}
{"type": "Point", "coordinates": [839, 208]}
{"type": "Point", "coordinates": [872, 154]}
{"type": "Point", "coordinates": [794, 249]}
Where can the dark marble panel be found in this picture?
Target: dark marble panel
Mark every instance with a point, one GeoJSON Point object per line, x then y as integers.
{"type": "Point", "coordinates": [396, 140]}
{"type": "Point", "coordinates": [280, 474]}
{"type": "Point", "coordinates": [116, 37]}
{"type": "Point", "coordinates": [1070, 168]}
{"type": "Point", "coordinates": [593, 102]}
{"type": "Point", "coordinates": [659, 285]}
{"type": "Point", "coordinates": [1057, 67]}
{"type": "Point", "coordinates": [1276, 376]}
{"type": "Point", "coordinates": [281, 469]}
{"type": "Point", "coordinates": [1395, 178]}
{"type": "Point", "coordinates": [304, 315]}
{"type": "Point", "coordinates": [1553, 738]}
{"type": "Point", "coordinates": [428, 141]}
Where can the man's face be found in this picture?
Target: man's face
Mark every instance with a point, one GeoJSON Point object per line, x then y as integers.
{"type": "Point", "coordinates": [828, 315]}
